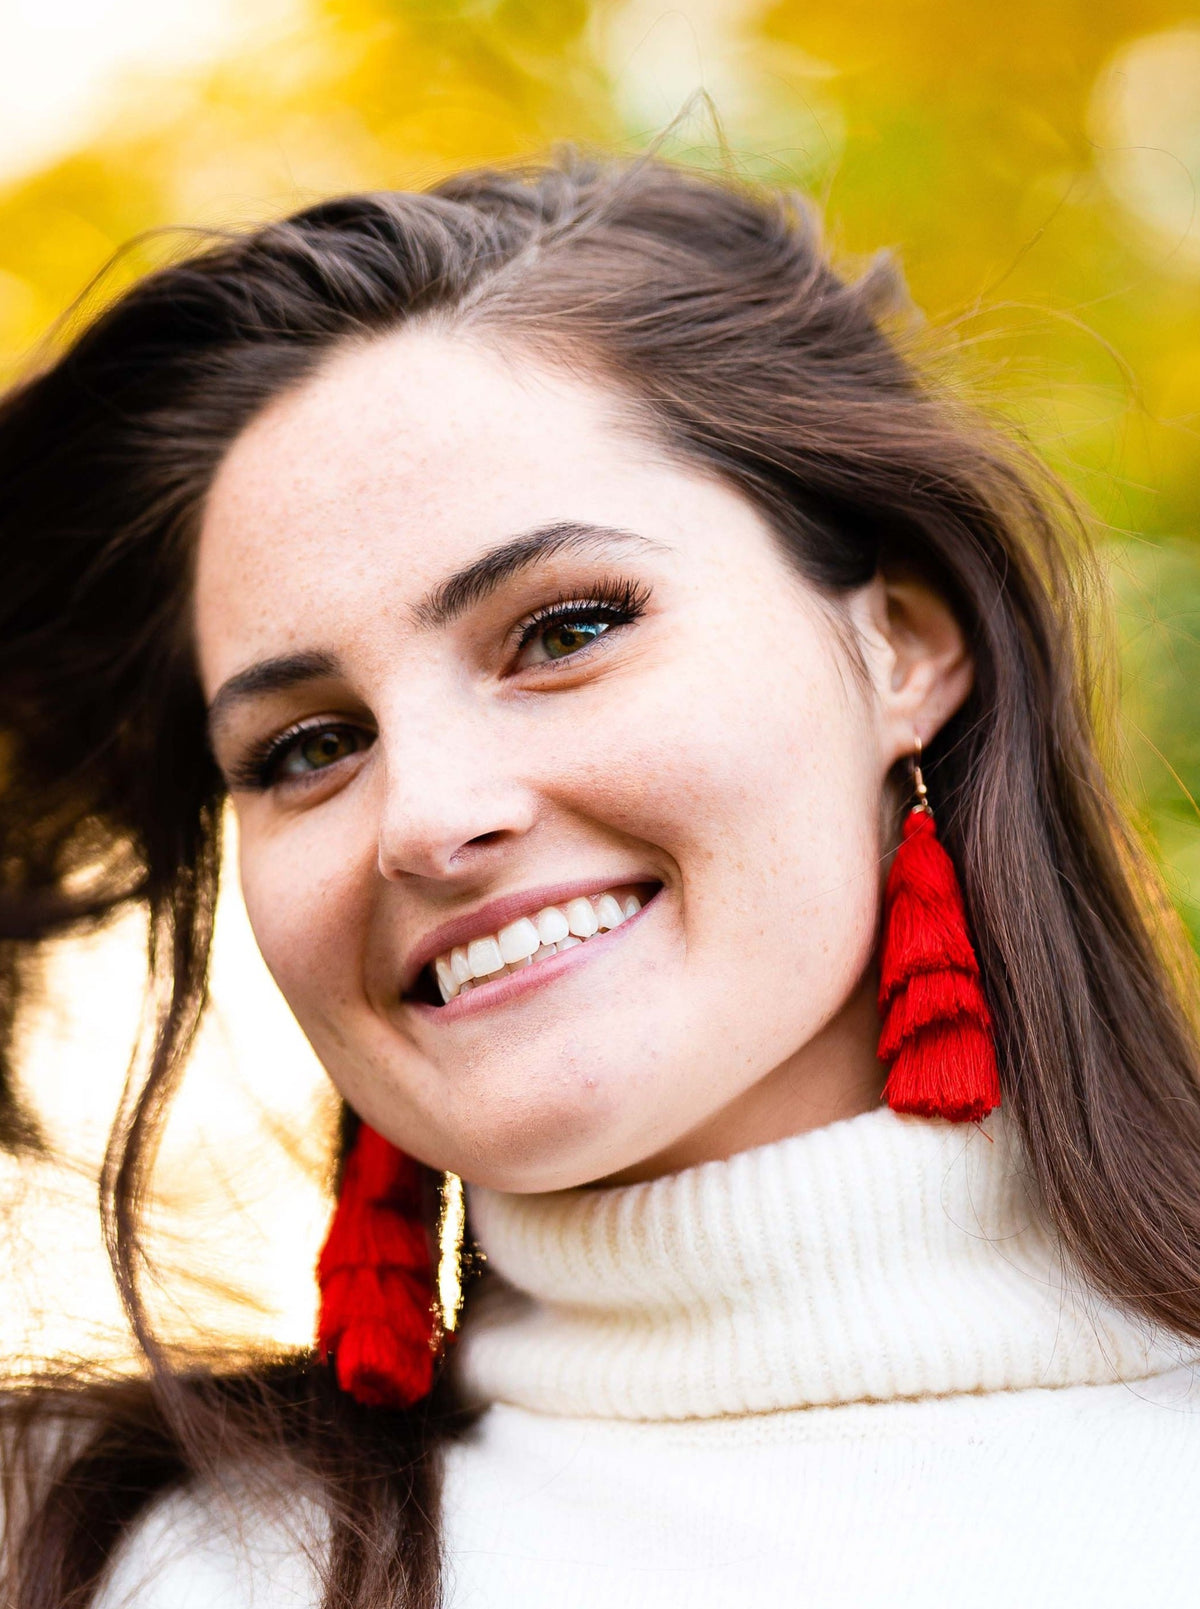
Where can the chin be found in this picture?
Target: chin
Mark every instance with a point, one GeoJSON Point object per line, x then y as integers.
{"type": "Point", "coordinates": [535, 1142]}
{"type": "Point", "coordinates": [552, 1148]}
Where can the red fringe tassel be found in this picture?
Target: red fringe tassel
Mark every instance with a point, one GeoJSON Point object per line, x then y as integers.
{"type": "Point", "coordinates": [375, 1272]}
{"type": "Point", "coordinates": [936, 1034]}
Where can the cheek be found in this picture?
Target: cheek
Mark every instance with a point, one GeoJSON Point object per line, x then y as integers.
{"type": "Point", "coordinates": [304, 896]}
{"type": "Point", "coordinates": [745, 776]}
{"type": "Point", "coordinates": [764, 790]}
{"type": "Point", "coordinates": [795, 874]}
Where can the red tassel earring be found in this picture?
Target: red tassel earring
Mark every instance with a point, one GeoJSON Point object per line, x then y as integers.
{"type": "Point", "coordinates": [375, 1272]}
{"type": "Point", "coordinates": [936, 1031]}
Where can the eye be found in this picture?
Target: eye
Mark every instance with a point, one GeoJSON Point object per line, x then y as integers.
{"type": "Point", "coordinates": [315, 750]}
{"type": "Point", "coordinates": [568, 627]}
{"type": "Point", "coordinates": [297, 755]}
{"type": "Point", "coordinates": [558, 639]}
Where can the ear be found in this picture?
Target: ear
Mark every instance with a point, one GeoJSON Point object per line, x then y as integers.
{"type": "Point", "coordinates": [917, 656]}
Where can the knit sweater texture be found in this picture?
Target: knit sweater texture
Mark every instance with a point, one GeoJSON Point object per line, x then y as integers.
{"type": "Point", "coordinates": [851, 1368]}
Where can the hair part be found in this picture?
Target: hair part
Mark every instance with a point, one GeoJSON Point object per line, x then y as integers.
{"type": "Point", "coordinates": [714, 307]}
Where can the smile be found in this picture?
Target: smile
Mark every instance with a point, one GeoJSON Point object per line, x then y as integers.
{"type": "Point", "coordinates": [531, 939]}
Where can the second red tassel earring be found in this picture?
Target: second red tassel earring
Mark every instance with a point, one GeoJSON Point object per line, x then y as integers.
{"type": "Point", "coordinates": [936, 1032]}
{"type": "Point", "coordinates": [377, 1320]}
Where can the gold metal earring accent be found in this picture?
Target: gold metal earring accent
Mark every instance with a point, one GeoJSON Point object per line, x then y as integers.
{"type": "Point", "coordinates": [918, 780]}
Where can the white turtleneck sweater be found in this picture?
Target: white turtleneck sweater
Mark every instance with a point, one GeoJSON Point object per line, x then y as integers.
{"type": "Point", "coordinates": [848, 1370]}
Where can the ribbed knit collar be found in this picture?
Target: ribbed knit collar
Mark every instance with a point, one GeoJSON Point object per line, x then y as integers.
{"type": "Point", "coordinates": [880, 1257]}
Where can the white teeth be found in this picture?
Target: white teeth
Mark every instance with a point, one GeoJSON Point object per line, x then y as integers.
{"type": "Point", "coordinates": [518, 940]}
{"type": "Point", "coordinates": [608, 911]}
{"type": "Point", "coordinates": [551, 925]}
{"type": "Point", "coordinates": [484, 956]}
{"type": "Point", "coordinates": [530, 939]}
{"type": "Point", "coordinates": [581, 917]}
{"type": "Point", "coordinates": [445, 979]}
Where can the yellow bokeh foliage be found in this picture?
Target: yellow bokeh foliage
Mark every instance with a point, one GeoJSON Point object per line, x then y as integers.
{"type": "Point", "coordinates": [1033, 167]}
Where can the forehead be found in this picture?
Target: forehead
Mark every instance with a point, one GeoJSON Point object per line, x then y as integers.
{"type": "Point", "coordinates": [397, 461]}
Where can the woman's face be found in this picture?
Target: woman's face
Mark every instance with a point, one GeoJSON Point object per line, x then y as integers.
{"type": "Point", "coordinates": [479, 655]}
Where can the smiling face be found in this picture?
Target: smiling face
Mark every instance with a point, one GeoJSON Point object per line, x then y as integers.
{"type": "Point", "coordinates": [486, 665]}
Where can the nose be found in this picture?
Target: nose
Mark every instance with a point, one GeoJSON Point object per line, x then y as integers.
{"type": "Point", "coordinates": [452, 802]}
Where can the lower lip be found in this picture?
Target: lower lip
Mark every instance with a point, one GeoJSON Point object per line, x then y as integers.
{"type": "Point", "coordinates": [514, 985]}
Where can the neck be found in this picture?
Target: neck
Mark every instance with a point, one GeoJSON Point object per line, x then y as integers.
{"type": "Point", "coordinates": [834, 1076]}
{"type": "Point", "coordinates": [880, 1257]}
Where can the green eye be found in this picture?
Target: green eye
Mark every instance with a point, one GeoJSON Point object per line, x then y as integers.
{"type": "Point", "coordinates": [318, 749]}
{"type": "Point", "coordinates": [566, 637]}
{"type": "Point", "coordinates": [563, 629]}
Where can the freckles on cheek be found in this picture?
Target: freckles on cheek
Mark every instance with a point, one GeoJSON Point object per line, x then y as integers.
{"type": "Point", "coordinates": [667, 740]}
{"type": "Point", "coordinates": [770, 794]}
{"type": "Point", "coordinates": [306, 935]}
{"type": "Point", "coordinates": [636, 763]}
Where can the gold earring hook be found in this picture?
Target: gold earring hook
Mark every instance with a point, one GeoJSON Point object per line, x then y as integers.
{"type": "Point", "coordinates": [918, 780]}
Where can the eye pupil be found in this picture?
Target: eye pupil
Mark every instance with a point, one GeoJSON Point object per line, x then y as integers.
{"type": "Point", "coordinates": [567, 637]}
{"type": "Point", "coordinates": [324, 748]}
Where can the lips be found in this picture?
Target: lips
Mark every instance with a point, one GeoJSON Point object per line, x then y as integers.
{"type": "Point", "coordinates": [488, 921]}
{"type": "Point", "coordinates": [530, 940]}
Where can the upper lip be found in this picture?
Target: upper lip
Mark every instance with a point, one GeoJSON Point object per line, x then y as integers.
{"type": "Point", "coordinates": [489, 918]}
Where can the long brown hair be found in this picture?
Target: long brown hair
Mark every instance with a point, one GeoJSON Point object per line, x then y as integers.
{"type": "Point", "coordinates": [716, 309]}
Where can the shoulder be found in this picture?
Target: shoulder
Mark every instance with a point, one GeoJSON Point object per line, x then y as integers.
{"type": "Point", "coordinates": [203, 1549]}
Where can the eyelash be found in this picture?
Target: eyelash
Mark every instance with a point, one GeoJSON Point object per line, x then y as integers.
{"type": "Point", "coordinates": [254, 772]}
{"type": "Point", "coordinates": [618, 602]}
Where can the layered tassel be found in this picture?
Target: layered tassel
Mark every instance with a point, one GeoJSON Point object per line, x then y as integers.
{"type": "Point", "coordinates": [377, 1320]}
{"type": "Point", "coordinates": [936, 1032]}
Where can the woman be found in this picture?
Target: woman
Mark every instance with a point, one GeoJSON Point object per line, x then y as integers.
{"type": "Point", "coordinates": [583, 603]}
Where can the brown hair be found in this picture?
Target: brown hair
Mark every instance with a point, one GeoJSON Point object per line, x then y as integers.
{"type": "Point", "coordinates": [715, 306]}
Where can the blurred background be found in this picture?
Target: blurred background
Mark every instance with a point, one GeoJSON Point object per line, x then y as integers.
{"type": "Point", "coordinates": [1035, 169]}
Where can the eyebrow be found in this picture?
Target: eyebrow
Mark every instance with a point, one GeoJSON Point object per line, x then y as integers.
{"type": "Point", "coordinates": [477, 580]}
{"type": "Point", "coordinates": [445, 603]}
{"type": "Point", "coordinates": [268, 676]}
